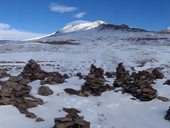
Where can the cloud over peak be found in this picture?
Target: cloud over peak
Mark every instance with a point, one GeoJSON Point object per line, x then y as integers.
{"type": "Point", "coordinates": [80, 15]}
{"type": "Point", "coordinates": [61, 8]}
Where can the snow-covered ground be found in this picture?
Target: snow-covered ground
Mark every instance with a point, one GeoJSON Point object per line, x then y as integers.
{"type": "Point", "coordinates": [104, 48]}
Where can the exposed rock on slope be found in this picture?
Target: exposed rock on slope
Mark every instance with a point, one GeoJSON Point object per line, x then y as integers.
{"type": "Point", "coordinates": [119, 27]}
{"type": "Point", "coordinates": [138, 84]}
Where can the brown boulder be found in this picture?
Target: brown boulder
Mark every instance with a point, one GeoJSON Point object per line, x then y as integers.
{"type": "Point", "coordinates": [31, 115]}
{"type": "Point", "coordinates": [45, 91]}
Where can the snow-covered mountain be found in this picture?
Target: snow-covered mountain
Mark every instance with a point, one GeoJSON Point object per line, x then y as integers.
{"type": "Point", "coordinates": [167, 30]}
{"type": "Point", "coordinates": [80, 31]}
{"type": "Point", "coordinates": [80, 26]}
{"type": "Point", "coordinates": [72, 50]}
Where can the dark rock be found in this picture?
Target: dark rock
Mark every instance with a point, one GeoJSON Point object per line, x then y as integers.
{"type": "Point", "coordinates": [167, 82]}
{"type": "Point", "coordinates": [94, 85]}
{"type": "Point", "coordinates": [79, 75]}
{"type": "Point", "coordinates": [110, 74]}
{"type": "Point", "coordinates": [45, 91]}
{"type": "Point", "coordinates": [39, 119]}
{"type": "Point", "coordinates": [66, 76]}
{"type": "Point", "coordinates": [164, 99]}
{"type": "Point", "coordinates": [32, 71]}
{"type": "Point", "coordinates": [31, 115]}
{"type": "Point", "coordinates": [167, 116]}
{"type": "Point", "coordinates": [137, 84]}
{"type": "Point", "coordinates": [157, 74]}
{"type": "Point", "coordinates": [71, 120]}
{"type": "Point", "coordinates": [16, 92]}
{"type": "Point", "coordinates": [3, 73]}
{"type": "Point", "coordinates": [33, 102]}
{"type": "Point", "coordinates": [53, 78]}
{"type": "Point", "coordinates": [71, 91]}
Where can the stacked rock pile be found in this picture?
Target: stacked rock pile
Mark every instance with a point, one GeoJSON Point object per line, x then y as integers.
{"type": "Point", "coordinates": [71, 120]}
{"type": "Point", "coordinates": [94, 85]}
{"type": "Point", "coordinates": [138, 84]}
{"type": "Point", "coordinates": [33, 71]}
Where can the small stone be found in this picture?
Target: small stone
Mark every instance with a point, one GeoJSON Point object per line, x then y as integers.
{"type": "Point", "coordinates": [167, 82]}
{"type": "Point", "coordinates": [71, 91]}
{"type": "Point", "coordinates": [79, 75]}
{"type": "Point", "coordinates": [31, 115]}
{"type": "Point", "coordinates": [39, 119]}
{"type": "Point", "coordinates": [164, 99]}
{"type": "Point", "coordinates": [157, 74]}
{"type": "Point", "coordinates": [110, 74]}
{"type": "Point", "coordinates": [45, 91]}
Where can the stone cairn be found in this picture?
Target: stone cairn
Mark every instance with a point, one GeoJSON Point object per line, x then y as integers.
{"type": "Point", "coordinates": [33, 71]}
{"type": "Point", "coordinates": [167, 116]}
{"type": "Point", "coordinates": [137, 84]}
{"type": "Point", "coordinates": [71, 120]}
{"type": "Point", "coordinates": [94, 85]}
{"type": "Point", "coordinates": [15, 91]}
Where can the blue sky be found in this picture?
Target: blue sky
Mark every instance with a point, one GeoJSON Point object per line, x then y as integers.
{"type": "Point", "coordinates": [47, 16]}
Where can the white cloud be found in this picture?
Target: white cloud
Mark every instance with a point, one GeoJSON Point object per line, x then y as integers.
{"type": "Point", "coordinates": [8, 33]}
{"type": "Point", "coordinates": [61, 8]}
{"type": "Point", "coordinates": [4, 26]}
{"type": "Point", "coordinates": [80, 15]}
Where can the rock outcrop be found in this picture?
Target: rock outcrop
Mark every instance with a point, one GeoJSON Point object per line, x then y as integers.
{"type": "Point", "coordinates": [138, 84]}
{"type": "Point", "coordinates": [71, 120]}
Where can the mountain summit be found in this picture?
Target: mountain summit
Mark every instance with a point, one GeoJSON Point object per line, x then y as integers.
{"type": "Point", "coordinates": [81, 25]}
